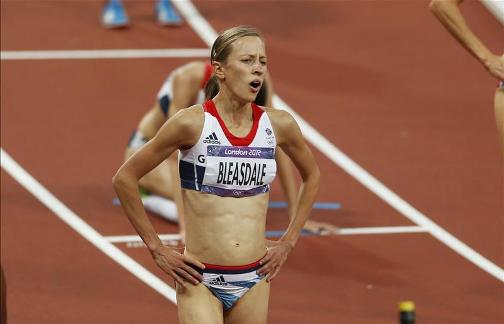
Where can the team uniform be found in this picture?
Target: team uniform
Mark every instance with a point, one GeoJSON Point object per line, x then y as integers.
{"type": "Point", "coordinates": [230, 283]}
{"type": "Point", "coordinates": [225, 165]}
{"type": "Point", "coordinates": [228, 166]}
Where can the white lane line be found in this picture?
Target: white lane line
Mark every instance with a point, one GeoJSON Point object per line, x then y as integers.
{"type": "Point", "coordinates": [496, 8]}
{"type": "Point", "coordinates": [81, 227]}
{"type": "Point", "coordinates": [136, 238]}
{"type": "Point", "coordinates": [104, 54]}
{"type": "Point", "coordinates": [381, 230]}
{"type": "Point", "coordinates": [341, 231]}
{"type": "Point", "coordinates": [208, 34]}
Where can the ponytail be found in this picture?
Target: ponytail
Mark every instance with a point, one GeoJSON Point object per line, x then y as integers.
{"type": "Point", "coordinates": [211, 88]}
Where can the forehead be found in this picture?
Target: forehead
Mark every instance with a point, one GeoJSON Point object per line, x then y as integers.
{"type": "Point", "coordinates": [248, 45]}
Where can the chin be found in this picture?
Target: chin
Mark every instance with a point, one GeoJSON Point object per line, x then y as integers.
{"type": "Point", "coordinates": [252, 97]}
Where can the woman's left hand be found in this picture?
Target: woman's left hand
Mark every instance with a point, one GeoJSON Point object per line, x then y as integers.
{"type": "Point", "coordinates": [275, 257]}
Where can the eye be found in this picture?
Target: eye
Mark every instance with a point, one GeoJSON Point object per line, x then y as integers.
{"type": "Point", "coordinates": [246, 60]}
{"type": "Point", "coordinates": [264, 63]}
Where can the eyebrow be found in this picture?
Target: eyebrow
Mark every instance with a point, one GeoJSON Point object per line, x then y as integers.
{"type": "Point", "coordinates": [253, 55]}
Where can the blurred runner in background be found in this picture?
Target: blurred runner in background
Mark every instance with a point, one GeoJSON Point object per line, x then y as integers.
{"type": "Point", "coordinates": [114, 14]}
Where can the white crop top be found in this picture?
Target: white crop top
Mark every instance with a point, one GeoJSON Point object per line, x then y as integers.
{"type": "Point", "coordinates": [229, 166]}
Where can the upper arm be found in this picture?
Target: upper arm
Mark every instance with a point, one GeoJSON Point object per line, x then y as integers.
{"type": "Point", "coordinates": [178, 132]}
{"type": "Point", "coordinates": [291, 141]}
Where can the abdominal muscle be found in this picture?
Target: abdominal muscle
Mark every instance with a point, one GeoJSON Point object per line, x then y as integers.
{"type": "Point", "coordinates": [225, 230]}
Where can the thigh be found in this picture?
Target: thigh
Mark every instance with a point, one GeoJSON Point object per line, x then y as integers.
{"type": "Point", "coordinates": [197, 304]}
{"type": "Point", "coordinates": [252, 308]}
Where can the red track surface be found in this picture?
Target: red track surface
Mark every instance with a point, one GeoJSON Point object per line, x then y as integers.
{"type": "Point", "coordinates": [381, 80]}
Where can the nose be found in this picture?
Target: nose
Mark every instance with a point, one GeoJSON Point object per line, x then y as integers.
{"type": "Point", "coordinates": [258, 68]}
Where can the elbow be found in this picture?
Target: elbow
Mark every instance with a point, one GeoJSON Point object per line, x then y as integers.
{"type": "Point", "coordinates": [118, 181]}
{"type": "Point", "coordinates": [115, 181]}
{"type": "Point", "coordinates": [315, 178]}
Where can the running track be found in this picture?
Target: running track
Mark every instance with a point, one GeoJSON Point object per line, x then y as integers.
{"type": "Point", "coordinates": [380, 80]}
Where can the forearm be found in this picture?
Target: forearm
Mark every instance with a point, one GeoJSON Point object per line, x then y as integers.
{"type": "Point", "coordinates": [128, 194]}
{"type": "Point", "coordinates": [307, 194]}
{"type": "Point", "coordinates": [448, 13]}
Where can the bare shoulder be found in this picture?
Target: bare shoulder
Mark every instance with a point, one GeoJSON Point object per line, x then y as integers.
{"type": "Point", "coordinates": [283, 123]}
{"type": "Point", "coordinates": [189, 118]}
{"type": "Point", "coordinates": [184, 128]}
{"type": "Point", "coordinates": [280, 119]}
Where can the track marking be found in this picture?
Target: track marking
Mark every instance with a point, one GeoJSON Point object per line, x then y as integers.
{"type": "Point", "coordinates": [341, 231]}
{"type": "Point", "coordinates": [81, 227]}
{"type": "Point", "coordinates": [208, 34]}
{"type": "Point", "coordinates": [136, 238]}
{"type": "Point", "coordinates": [381, 230]}
{"type": "Point", "coordinates": [104, 54]}
{"type": "Point", "coordinates": [496, 8]}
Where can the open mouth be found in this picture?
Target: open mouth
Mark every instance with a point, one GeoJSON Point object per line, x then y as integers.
{"type": "Point", "coordinates": [255, 85]}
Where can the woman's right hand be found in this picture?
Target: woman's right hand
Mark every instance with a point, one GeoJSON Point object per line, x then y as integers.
{"type": "Point", "coordinates": [178, 265]}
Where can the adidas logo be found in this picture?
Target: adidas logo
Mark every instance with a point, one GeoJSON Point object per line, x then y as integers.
{"type": "Point", "coordinates": [219, 281]}
{"type": "Point", "coordinates": [211, 139]}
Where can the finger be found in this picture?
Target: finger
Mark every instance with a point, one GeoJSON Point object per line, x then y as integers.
{"type": "Point", "coordinates": [188, 259]}
{"type": "Point", "coordinates": [273, 274]}
{"type": "Point", "coordinates": [193, 272]}
{"type": "Point", "coordinates": [266, 268]}
{"type": "Point", "coordinates": [179, 280]}
{"type": "Point", "coordinates": [266, 258]}
{"type": "Point", "coordinates": [268, 264]}
{"type": "Point", "coordinates": [186, 276]}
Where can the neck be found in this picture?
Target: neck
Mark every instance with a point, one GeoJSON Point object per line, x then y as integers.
{"type": "Point", "coordinates": [231, 108]}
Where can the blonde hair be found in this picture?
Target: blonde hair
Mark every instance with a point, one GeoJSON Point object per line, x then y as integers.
{"type": "Point", "coordinates": [221, 49]}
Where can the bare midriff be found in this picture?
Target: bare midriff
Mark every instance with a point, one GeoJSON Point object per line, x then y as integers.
{"type": "Point", "coordinates": [225, 230]}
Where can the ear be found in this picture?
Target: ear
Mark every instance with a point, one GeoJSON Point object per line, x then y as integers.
{"type": "Point", "coordinates": [218, 69]}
